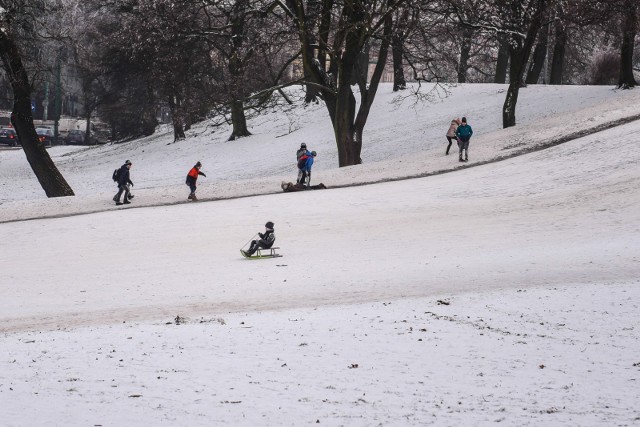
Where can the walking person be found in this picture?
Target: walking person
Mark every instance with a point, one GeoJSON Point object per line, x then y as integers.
{"type": "Point", "coordinates": [301, 154]}
{"type": "Point", "coordinates": [192, 178]}
{"type": "Point", "coordinates": [451, 133]}
{"type": "Point", "coordinates": [464, 133]}
{"type": "Point", "coordinates": [266, 240]}
{"type": "Point", "coordinates": [124, 181]}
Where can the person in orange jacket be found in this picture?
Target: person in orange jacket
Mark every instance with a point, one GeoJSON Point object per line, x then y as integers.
{"type": "Point", "coordinates": [192, 178]}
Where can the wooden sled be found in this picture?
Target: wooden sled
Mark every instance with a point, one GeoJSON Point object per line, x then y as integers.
{"type": "Point", "coordinates": [262, 253]}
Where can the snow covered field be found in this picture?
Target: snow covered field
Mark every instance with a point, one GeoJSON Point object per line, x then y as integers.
{"type": "Point", "coordinates": [505, 291]}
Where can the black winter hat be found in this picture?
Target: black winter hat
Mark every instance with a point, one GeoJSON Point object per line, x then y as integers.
{"type": "Point", "coordinates": [269, 225]}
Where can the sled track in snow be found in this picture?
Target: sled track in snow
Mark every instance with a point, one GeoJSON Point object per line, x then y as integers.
{"type": "Point", "coordinates": [529, 149]}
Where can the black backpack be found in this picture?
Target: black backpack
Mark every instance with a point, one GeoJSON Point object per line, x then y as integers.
{"type": "Point", "coordinates": [115, 175]}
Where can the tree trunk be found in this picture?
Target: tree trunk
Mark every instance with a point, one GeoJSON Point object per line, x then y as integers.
{"type": "Point", "coordinates": [521, 50]}
{"type": "Point", "coordinates": [175, 105]}
{"type": "Point", "coordinates": [87, 129]}
{"type": "Point", "coordinates": [148, 119]}
{"type": "Point", "coordinates": [361, 72]}
{"type": "Point", "coordinates": [239, 121]}
{"type": "Point", "coordinates": [465, 49]}
{"type": "Point", "coordinates": [557, 61]}
{"type": "Point", "coordinates": [346, 104]}
{"type": "Point", "coordinates": [368, 93]}
{"type": "Point", "coordinates": [237, 65]}
{"type": "Point", "coordinates": [51, 180]}
{"type": "Point", "coordinates": [502, 62]}
{"type": "Point", "coordinates": [397, 51]}
{"type": "Point", "coordinates": [323, 33]}
{"type": "Point", "coordinates": [347, 143]}
{"type": "Point", "coordinates": [629, 30]}
{"type": "Point", "coordinates": [539, 56]}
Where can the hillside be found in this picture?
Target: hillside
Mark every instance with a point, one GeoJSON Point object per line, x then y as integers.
{"type": "Point", "coordinates": [402, 139]}
{"type": "Point", "coordinates": [503, 291]}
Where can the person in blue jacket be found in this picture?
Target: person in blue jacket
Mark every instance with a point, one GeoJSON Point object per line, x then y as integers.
{"type": "Point", "coordinates": [306, 169]}
{"type": "Point", "coordinates": [464, 133]}
{"type": "Point", "coordinates": [301, 156]}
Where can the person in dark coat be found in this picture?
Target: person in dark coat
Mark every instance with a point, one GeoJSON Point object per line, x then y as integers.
{"type": "Point", "coordinates": [192, 178]}
{"type": "Point", "coordinates": [124, 181]}
{"type": "Point", "coordinates": [267, 239]}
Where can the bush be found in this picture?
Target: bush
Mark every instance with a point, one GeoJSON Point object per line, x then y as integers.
{"type": "Point", "coordinates": [604, 68]}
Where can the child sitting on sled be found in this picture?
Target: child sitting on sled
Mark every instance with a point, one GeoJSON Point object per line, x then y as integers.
{"type": "Point", "coordinates": [267, 239]}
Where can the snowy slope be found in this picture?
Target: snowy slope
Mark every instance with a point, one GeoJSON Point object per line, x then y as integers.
{"type": "Point", "coordinates": [536, 259]}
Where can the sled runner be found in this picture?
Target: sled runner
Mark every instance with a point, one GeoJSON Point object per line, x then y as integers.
{"type": "Point", "coordinates": [262, 253]}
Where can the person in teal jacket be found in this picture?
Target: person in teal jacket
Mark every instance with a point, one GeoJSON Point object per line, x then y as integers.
{"type": "Point", "coordinates": [464, 133]}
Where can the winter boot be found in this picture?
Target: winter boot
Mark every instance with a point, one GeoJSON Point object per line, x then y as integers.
{"type": "Point", "coordinates": [118, 203]}
{"type": "Point", "coordinates": [194, 198]}
{"type": "Point", "coordinates": [190, 197]}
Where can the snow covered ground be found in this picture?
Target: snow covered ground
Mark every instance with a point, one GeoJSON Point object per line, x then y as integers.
{"type": "Point", "coordinates": [505, 291]}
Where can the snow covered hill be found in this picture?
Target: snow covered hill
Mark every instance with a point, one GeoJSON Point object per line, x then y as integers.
{"type": "Point", "coordinates": [505, 291]}
{"type": "Point", "coordinates": [402, 138]}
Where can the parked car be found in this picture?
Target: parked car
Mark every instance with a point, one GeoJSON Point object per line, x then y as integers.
{"type": "Point", "coordinates": [76, 136]}
{"type": "Point", "coordinates": [45, 135]}
{"type": "Point", "coordinates": [9, 136]}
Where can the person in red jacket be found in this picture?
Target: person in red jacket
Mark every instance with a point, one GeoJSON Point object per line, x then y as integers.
{"type": "Point", "coordinates": [192, 178]}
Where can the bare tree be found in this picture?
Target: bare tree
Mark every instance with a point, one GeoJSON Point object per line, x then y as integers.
{"type": "Point", "coordinates": [356, 23]}
{"type": "Point", "coordinates": [524, 19]}
{"type": "Point", "coordinates": [19, 24]}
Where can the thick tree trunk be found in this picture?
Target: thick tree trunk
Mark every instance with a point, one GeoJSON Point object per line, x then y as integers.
{"type": "Point", "coordinates": [175, 105]}
{"type": "Point", "coordinates": [629, 30]}
{"type": "Point", "coordinates": [346, 104]}
{"type": "Point", "coordinates": [539, 56]}
{"type": "Point", "coordinates": [502, 62]}
{"type": "Point", "coordinates": [465, 50]}
{"type": "Point", "coordinates": [519, 56]}
{"type": "Point", "coordinates": [238, 120]}
{"type": "Point", "coordinates": [348, 145]}
{"type": "Point", "coordinates": [51, 180]}
{"type": "Point", "coordinates": [557, 60]}
{"type": "Point", "coordinates": [361, 72]}
{"type": "Point", "coordinates": [148, 119]}
{"type": "Point", "coordinates": [237, 64]}
{"type": "Point", "coordinates": [397, 51]}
